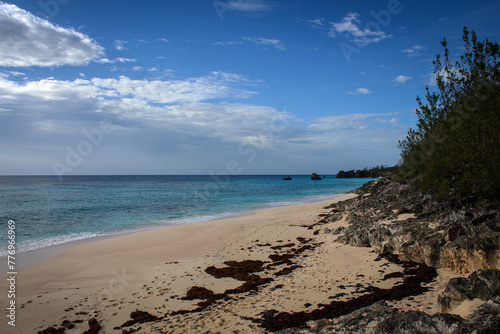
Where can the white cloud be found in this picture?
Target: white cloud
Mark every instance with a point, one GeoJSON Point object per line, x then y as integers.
{"type": "Point", "coordinates": [116, 60]}
{"type": "Point", "coordinates": [104, 61]}
{"type": "Point", "coordinates": [350, 25]}
{"type": "Point", "coordinates": [250, 6]}
{"type": "Point", "coordinates": [413, 51]}
{"type": "Point", "coordinates": [432, 77]}
{"type": "Point", "coordinates": [214, 86]}
{"type": "Point", "coordinates": [266, 41]}
{"type": "Point", "coordinates": [171, 126]}
{"type": "Point", "coordinates": [16, 73]}
{"type": "Point", "coordinates": [355, 121]}
{"type": "Point", "coordinates": [359, 91]}
{"type": "Point", "coordinates": [228, 43]}
{"type": "Point", "coordinates": [11, 73]}
{"type": "Point", "coordinates": [125, 60]}
{"type": "Point", "coordinates": [149, 116]}
{"type": "Point", "coordinates": [28, 40]}
{"type": "Point", "coordinates": [316, 23]}
{"type": "Point", "coordinates": [120, 45]}
{"type": "Point", "coordinates": [401, 79]}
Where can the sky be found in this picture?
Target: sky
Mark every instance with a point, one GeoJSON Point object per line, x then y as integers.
{"type": "Point", "coordinates": [218, 87]}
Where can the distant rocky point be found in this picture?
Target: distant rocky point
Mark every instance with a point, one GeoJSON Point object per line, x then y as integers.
{"type": "Point", "coordinates": [374, 172]}
{"type": "Point", "coordinates": [355, 174]}
{"type": "Point", "coordinates": [287, 178]}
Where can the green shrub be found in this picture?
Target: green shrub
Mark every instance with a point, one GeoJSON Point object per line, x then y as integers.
{"type": "Point", "coordinates": [455, 147]}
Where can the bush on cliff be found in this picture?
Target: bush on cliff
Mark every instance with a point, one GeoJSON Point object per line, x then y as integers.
{"type": "Point", "coordinates": [455, 146]}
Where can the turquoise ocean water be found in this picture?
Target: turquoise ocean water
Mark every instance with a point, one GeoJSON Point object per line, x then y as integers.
{"type": "Point", "coordinates": [48, 211]}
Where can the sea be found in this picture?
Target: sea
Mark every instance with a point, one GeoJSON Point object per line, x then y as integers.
{"type": "Point", "coordinates": [48, 211]}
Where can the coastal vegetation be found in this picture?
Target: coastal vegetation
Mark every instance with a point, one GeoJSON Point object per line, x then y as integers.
{"type": "Point", "coordinates": [455, 147]}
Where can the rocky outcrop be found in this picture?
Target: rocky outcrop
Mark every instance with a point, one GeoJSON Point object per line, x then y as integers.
{"type": "Point", "coordinates": [315, 176]}
{"type": "Point", "coordinates": [462, 235]}
{"type": "Point", "coordinates": [482, 284]}
{"type": "Point", "coordinates": [379, 318]}
{"type": "Point", "coordinates": [287, 178]}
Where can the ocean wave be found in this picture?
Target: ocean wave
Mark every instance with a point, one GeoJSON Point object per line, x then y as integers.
{"type": "Point", "coordinates": [33, 245]}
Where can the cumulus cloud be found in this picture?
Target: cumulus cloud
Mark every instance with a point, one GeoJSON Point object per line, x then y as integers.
{"type": "Point", "coordinates": [359, 91]}
{"type": "Point", "coordinates": [266, 42]}
{"type": "Point", "coordinates": [401, 79]}
{"type": "Point", "coordinates": [413, 51]}
{"type": "Point", "coordinates": [28, 40]}
{"type": "Point", "coordinates": [172, 126]}
{"type": "Point", "coordinates": [350, 25]}
{"type": "Point", "coordinates": [150, 117]}
{"type": "Point", "coordinates": [216, 85]}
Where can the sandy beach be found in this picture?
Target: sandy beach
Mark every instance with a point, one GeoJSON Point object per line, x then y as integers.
{"type": "Point", "coordinates": [296, 268]}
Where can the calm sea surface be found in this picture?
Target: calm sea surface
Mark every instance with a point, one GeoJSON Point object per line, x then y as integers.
{"type": "Point", "coordinates": [49, 212]}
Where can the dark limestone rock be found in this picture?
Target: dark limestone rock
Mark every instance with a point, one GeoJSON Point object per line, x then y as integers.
{"type": "Point", "coordinates": [379, 318]}
{"type": "Point", "coordinates": [362, 320]}
{"type": "Point", "coordinates": [287, 179]}
{"type": "Point", "coordinates": [448, 234]}
{"type": "Point", "coordinates": [483, 284]}
{"type": "Point", "coordinates": [315, 176]}
{"type": "Point", "coordinates": [416, 322]}
{"type": "Point", "coordinates": [485, 319]}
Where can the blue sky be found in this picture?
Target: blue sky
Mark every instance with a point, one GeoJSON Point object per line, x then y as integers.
{"type": "Point", "coordinates": [226, 86]}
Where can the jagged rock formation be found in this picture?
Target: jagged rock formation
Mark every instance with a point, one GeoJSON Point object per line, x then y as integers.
{"type": "Point", "coordinates": [463, 236]}
{"type": "Point", "coordinates": [315, 176]}
{"type": "Point", "coordinates": [482, 284]}
{"type": "Point", "coordinates": [379, 318]}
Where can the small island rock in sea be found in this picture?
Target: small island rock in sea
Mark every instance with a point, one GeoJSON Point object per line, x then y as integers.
{"type": "Point", "coordinates": [315, 176]}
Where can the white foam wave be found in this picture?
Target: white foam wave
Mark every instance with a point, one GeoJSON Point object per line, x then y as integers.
{"type": "Point", "coordinates": [32, 245]}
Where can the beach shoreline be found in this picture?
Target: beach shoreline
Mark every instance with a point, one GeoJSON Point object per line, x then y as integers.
{"type": "Point", "coordinates": [153, 270]}
{"type": "Point", "coordinates": [32, 257]}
